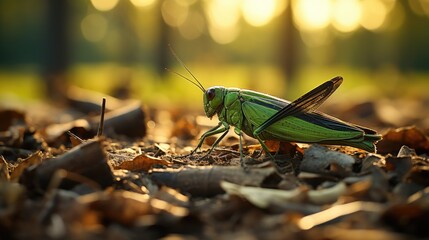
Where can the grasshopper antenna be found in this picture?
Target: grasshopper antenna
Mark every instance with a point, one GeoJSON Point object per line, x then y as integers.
{"type": "Point", "coordinates": [189, 80]}
{"type": "Point", "coordinates": [199, 85]}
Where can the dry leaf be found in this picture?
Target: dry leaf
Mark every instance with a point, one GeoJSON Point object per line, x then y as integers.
{"type": "Point", "coordinates": [410, 136]}
{"type": "Point", "coordinates": [10, 118]}
{"type": "Point", "coordinates": [4, 169]}
{"type": "Point", "coordinates": [273, 146]}
{"type": "Point", "coordinates": [34, 159]}
{"type": "Point", "coordinates": [142, 162]}
{"type": "Point", "coordinates": [262, 197]}
{"type": "Point", "coordinates": [327, 195]}
{"type": "Point", "coordinates": [119, 206]}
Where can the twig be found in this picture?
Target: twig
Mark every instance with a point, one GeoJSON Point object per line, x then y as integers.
{"type": "Point", "coordinates": [75, 137]}
{"type": "Point", "coordinates": [101, 124]}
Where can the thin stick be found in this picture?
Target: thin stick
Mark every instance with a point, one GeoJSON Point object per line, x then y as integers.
{"type": "Point", "coordinates": [75, 136]}
{"type": "Point", "coordinates": [101, 124]}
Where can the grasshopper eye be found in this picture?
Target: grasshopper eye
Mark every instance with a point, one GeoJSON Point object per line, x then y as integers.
{"type": "Point", "coordinates": [211, 93]}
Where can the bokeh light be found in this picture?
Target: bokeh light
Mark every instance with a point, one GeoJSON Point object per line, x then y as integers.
{"type": "Point", "coordinates": [174, 12]}
{"type": "Point", "coordinates": [143, 3]}
{"type": "Point", "coordinates": [258, 13]}
{"type": "Point", "coordinates": [104, 5]}
{"type": "Point", "coordinates": [94, 27]}
{"type": "Point", "coordinates": [312, 15]}
{"type": "Point", "coordinates": [280, 7]}
{"type": "Point", "coordinates": [373, 14]}
{"type": "Point", "coordinates": [223, 17]}
{"type": "Point", "coordinates": [346, 15]}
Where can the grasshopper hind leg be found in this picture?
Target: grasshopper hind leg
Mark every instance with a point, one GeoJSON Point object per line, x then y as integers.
{"type": "Point", "coordinates": [240, 138]}
{"type": "Point", "coordinates": [282, 166]}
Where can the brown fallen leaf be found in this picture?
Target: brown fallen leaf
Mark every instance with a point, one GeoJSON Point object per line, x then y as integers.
{"type": "Point", "coordinates": [119, 206]}
{"type": "Point", "coordinates": [34, 159]}
{"type": "Point", "coordinates": [10, 118]}
{"type": "Point", "coordinates": [412, 137]}
{"type": "Point", "coordinates": [283, 147]}
{"type": "Point", "coordinates": [88, 160]}
{"type": "Point", "coordinates": [142, 162]}
{"type": "Point", "coordinates": [264, 197]}
{"type": "Point", "coordinates": [4, 169]}
{"type": "Point", "coordinates": [273, 146]}
{"type": "Point", "coordinates": [126, 207]}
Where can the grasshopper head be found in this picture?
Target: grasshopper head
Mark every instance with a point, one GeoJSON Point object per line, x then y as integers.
{"type": "Point", "coordinates": [213, 100]}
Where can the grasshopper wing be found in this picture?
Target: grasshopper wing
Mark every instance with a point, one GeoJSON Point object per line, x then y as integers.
{"type": "Point", "coordinates": [307, 128]}
{"type": "Point", "coordinates": [306, 103]}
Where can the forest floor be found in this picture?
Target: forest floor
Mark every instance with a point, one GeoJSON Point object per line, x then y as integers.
{"type": "Point", "coordinates": [58, 179]}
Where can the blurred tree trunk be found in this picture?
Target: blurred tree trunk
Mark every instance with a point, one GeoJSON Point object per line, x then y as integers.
{"type": "Point", "coordinates": [163, 52]}
{"type": "Point", "coordinates": [288, 47]}
{"type": "Point", "coordinates": [129, 39]}
{"type": "Point", "coordinates": [412, 41]}
{"type": "Point", "coordinates": [128, 46]}
{"type": "Point", "coordinates": [57, 57]}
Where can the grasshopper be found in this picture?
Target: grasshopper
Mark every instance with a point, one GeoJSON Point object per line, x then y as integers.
{"type": "Point", "coordinates": [265, 117]}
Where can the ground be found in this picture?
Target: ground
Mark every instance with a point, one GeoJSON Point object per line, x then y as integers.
{"type": "Point", "coordinates": [135, 180]}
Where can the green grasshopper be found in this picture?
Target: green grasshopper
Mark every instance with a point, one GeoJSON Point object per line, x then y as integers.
{"type": "Point", "coordinates": [265, 117]}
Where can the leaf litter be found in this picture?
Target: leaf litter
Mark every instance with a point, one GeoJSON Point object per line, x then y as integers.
{"type": "Point", "coordinates": [58, 179]}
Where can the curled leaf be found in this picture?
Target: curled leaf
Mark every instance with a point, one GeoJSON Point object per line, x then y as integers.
{"type": "Point", "coordinates": [261, 197]}
{"type": "Point", "coordinates": [264, 197]}
{"type": "Point", "coordinates": [142, 162]}
{"type": "Point", "coordinates": [412, 137]}
{"type": "Point", "coordinates": [327, 195]}
{"type": "Point", "coordinates": [34, 159]}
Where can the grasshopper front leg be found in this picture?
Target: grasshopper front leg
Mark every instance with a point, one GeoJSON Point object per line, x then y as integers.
{"type": "Point", "coordinates": [222, 127]}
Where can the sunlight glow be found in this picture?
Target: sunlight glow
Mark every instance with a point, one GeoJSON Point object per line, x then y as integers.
{"type": "Point", "coordinates": [311, 15]}
{"type": "Point", "coordinates": [142, 3]}
{"type": "Point", "coordinates": [174, 12]}
{"type": "Point", "coordinates": [280, 7]}
{"type": "Point", "coordinates": [223, 16]}
{"type": "Point", "coordinates": [104, 5]}
{"type": "Point", "coordinates": [94, 27]}
{"type": "Point", "coordinates": [373, 14]}
{"type": "Point", "coordinates": [224, 35]}
{"type": "Point", "coordinates": [347, 15]}
{"type": "Point", "coordinates": [223, 13]}
{"type": "Point", "coordinates": [258, 13]}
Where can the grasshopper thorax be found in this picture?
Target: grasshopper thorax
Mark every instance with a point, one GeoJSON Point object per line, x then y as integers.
{"type": "Point", "coordinates": [213, 100]}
